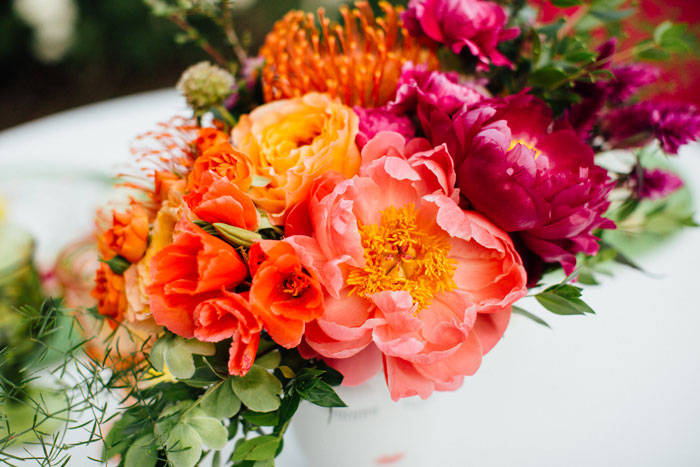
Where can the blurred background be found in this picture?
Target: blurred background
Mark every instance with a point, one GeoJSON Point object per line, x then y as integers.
{"type": "Point", "coordinates": [59, 54]}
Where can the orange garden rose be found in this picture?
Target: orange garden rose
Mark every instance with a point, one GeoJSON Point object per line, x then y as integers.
{"type": "Point", "coordinates": [209, 137]}
{"type": "Point", "coordinates": [216, 199]}
{"type": "Point", "coordinates": [283, 294]}
{"type": "Point", "coordinates": [292, 142]}
{"type": "Point", "coordinates": [109, 292]}
{"type": "Point", "coordinates": [194, 268]}
{"type": "Point", "coordinates": [225, 161]}
{"type": "Point", "coordinates": [128, 235]}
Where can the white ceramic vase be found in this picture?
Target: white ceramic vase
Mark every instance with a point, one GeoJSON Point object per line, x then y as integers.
{"type": "Point", "coordinates": [372, 431]}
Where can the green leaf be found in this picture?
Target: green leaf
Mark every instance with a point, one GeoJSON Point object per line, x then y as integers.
{"type": "Point", "coordinates": [519, 311]}
{"type": "Point", "coordinates": [184, 446]}
{"type": "Point", "coordinates": [157, 355]}
{"type": "Point", "coordinates": [330, 375]}
{"type": "Point", "coordinates": [261, 418]}
{"type": "Point", "coordinates": [258, 389]}
{"type": "Point", "coordinates": [142, 453]}
{"type": "Point", "coordinates": [118, 264]}
{"type": "Point", "coordinates": [169, 417]}
{"type": "Point", "coordinates": [547, 76]}
{"type": "Point", "coordinates": [322, 394]}
{"type": "Point", "coordinates": [256, 449]}
{"type": "Point", "coordinates": [259, 180]}
{"type": "Point", "coordinates": [270, 360]}
{"type": "Point", "coordinates": [289, 406]}
{"type": "Point", "coordinates": [566, 3]}
{"type": "Point", "coordinates": [220, 401]}
{"type": "Point", "coordinates": [563, 300]}
{"type": "Point", "coordinates": [654, 54]}
{"type": "Point", "coordinates": [236, 235]}
{"type": "Point", "coordinates": [200, 348]}
{"type": "Point", "coordinates": [179, 359]}
{"type": "Point", "coordinates": [612, 16]}
{"type": "Point", "coordinates": [210, 430]}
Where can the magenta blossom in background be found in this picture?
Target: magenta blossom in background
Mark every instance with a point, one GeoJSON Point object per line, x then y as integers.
{"type": "Point", "coordinates": [474, 24]}
{"type": "Point", "coordinates": [377, 119]}
{"type": "Point", "coordinates": [629, 79]}
{"type": "Point", "coordinates": [530, 179]}
{"type": "Point", "coordinates": [673, 125]}
{"type": "Point", "coordinates": [655, 183]}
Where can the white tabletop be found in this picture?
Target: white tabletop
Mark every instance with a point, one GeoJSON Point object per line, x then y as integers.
{"type": "Point", "coordinates": [618, 388]}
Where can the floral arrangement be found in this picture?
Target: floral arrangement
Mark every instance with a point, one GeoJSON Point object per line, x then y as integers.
{"type": "Point", "coordinates": [374, 194]}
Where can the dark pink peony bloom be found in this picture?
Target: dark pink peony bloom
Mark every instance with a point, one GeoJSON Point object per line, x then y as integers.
{"type": "Point", "coordinates": [530, 179]}
{"type": "Point", "coordinates": [636, 125]}
{"type": "Point", "coordinates": [377, 119]}
{"type": "Point", "coordinates": [474, 24]}
{"type": "Point", "coordinates": [656, 183]}
{"type": "Point", "coordinates": [418, 87]}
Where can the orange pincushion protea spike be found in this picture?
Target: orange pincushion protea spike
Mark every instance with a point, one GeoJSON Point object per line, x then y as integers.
{"type": "Point", "coordinates": [359, 62]}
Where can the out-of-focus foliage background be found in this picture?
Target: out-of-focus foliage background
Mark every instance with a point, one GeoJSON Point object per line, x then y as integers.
{"type": "Point", "coordinates": [58, 54]}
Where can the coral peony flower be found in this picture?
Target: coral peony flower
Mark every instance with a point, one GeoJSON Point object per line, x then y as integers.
{"type": "Point", "coordinates": [194, 268]}
{"type": "Point", "coordinates": [526, 178]}
{"type": "Point", "coordinates": [128, 235]}
{"type": "Point", "coordinates": [292, 142]}
{"type": "Point", "coordinates": [474, 24]}
{"type": "Point", "coordinates": [283, 294]}
{"type": "Point", "coordinates": [377, 119]}
{"type": "Point", "coordinates": [110, 295]}
{"type": "Point", "coordinates": [216, 199]}
{"type": "Point", "coordinates": [229, 316]}
{"type": "Point", "coordinates": [226, 161]}
{"type": "Point", "coordinates": [358, 63]}
{"type": "Point", "coordinates": [410, 278]}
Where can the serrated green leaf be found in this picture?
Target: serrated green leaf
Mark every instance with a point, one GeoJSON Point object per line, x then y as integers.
{"type": "Point", "coordinates": [289, 406]}
{"type": "Point", "coordinates": [270, 360]}
{"type": "Point", "coordinates": [179, 359]}
{"type": "Point", "coordinates": [210, 430]}
{"type": "Point", "coordinates": [220, 401]}
{"type": "Point", "coordinates": [258, 389]}
{"type": "Point", "coordinates": [520, 311]}
{"type": "Point", "coordinates": [256, 449]}
{"type": "Point", "coordinates": [184, 446]}
{"type": "Point", "coordinates": [142, 453]}
{"type": "Point", "coordinates": [322, 394]}
{"type": "Point", "coordinates": [330, 375]}
{"type": "Point", "coordinates": [563, 301]}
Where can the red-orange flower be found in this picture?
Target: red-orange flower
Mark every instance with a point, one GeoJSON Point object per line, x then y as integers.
{"type": "Point", "coordinates": [194, 268]}
{"type": "Point", "coordinates": [128, 236]}
{"type": "Point", "coordinates": [216, 199]}
{"type": "Point", "coordinates": [209, 137]}
{"type": "Point", "coordinates": [225, 161]}
{"type": "Point", "coordinates": [283, 294]}
{"type": "Point", "coordinates": [359, 62]}
{"type": "Point", "coordinates": [110, 294]}
{"type": "Point", "coordinates": [229, 316]}
{"type": "Point", "coordinates": [164, 181]}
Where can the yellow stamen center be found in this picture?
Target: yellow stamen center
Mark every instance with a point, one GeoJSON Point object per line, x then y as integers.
{"type": "Point", "coordinates": [401, 256]}
{"type": "Point", "coordinates": [522, 142]}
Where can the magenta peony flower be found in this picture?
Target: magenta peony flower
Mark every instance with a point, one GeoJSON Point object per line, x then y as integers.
{"type": "Point", "coordinates": [656, 183]}
{"type": "Point", "coordinates": [377, 119]}
{"type": "Point", "coordinates": [530, 179]}
{"type": "Point", "coordinates": [672, 124]}
{"type": "Point", "coordinates": [418, 87]}
{"type": "Point", "coordinates": [475, 24]}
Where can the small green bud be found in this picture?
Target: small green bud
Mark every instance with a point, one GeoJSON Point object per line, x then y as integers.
{"type": "Point", "coordinates": [205, 85]}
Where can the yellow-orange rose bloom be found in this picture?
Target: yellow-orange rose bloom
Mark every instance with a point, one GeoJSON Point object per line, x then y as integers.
{"type": "Point", "coordinates": [293, 141]}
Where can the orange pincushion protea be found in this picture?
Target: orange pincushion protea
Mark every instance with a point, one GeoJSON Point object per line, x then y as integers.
{"type": "Point", "coordinates": [359, 63]}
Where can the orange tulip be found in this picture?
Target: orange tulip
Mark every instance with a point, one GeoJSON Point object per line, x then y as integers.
{"type": "Point", "coordinates": [194, 268]}
{"type": "Point", "coordinates": [283, 294]}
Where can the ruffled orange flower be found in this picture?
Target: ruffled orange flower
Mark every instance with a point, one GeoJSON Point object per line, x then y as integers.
{"type": "Point", "coordinates": [164, 182]}
{"type": "Point", "coordinates": [226, 161]}
{"type": "Point", "coordinates": [283, 294]}
{"type": "Point", "coordinates": [194, 268]}
{"type": "Point", "coordinates": [229, 316]}
{"type": "Point", "coordinates": [218, 200]}
{"type": "Point", "coordinates": [209, 137]}
{"type": "Point", "coordinates": [359, 62]}
{"type": "Point", "coordinates": [128, 235]}
{"type": "Point", "coordinates": [110, 295]}
{"type": "Point", "coordinates": [294, 141]}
